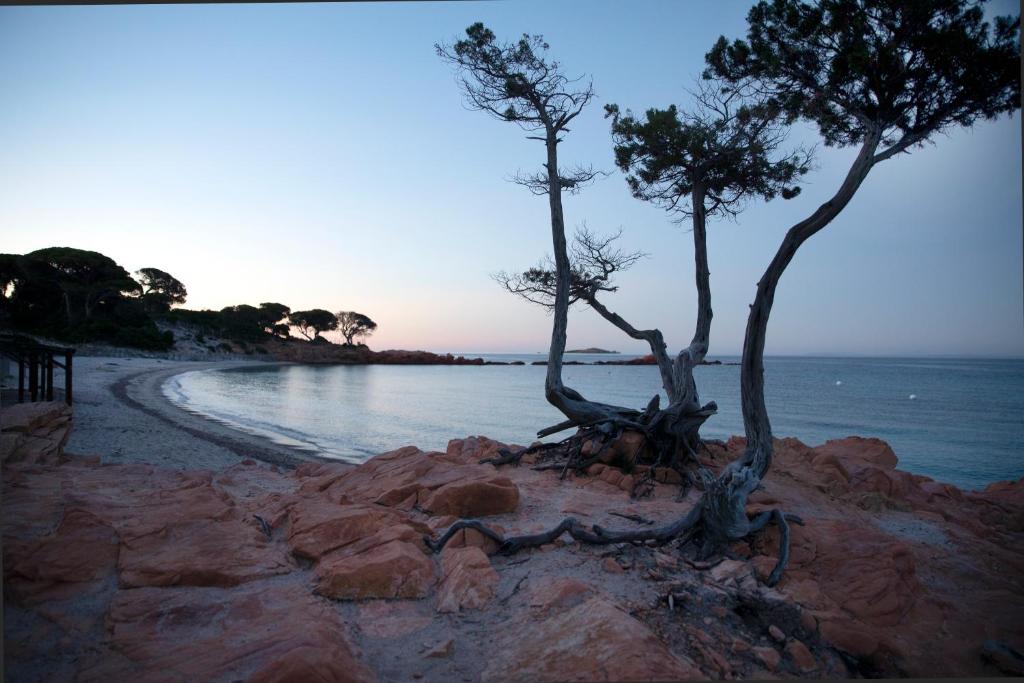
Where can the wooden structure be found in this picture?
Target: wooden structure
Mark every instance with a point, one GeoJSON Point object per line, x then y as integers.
{"type": "Point", "coordinates": [36, 363]}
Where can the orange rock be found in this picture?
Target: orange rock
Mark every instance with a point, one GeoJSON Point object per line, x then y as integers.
{"type": "Point", "coordinates": [468, 580]}
{"type": "Point", "coordinates": [802, 658]}
{"type": "Point", "coordinates": [83, 549]}
{"type": "Point", "coordinates": [558, 593]}
{"type": "Point", "coordinates": [611, 566]}
{"type": "Point", "coordinates": [475, 498]}
{"type": "Point", "coordinates": [201, 554]}
{"type": "Point", "coordinates": [769, 657]}
{"type": "Point", "coordinates": [262, 631]}
{"type": "Point", "coordinates": [319, 526]}
{"type": "Point", "coordinates": [855, 640]}
{"type": "Point", "coordinates": [612, 476]}
{"type": "Point", "coordinates": [594, 641]}
{"type": "Point", "coordinates": [389, 564]}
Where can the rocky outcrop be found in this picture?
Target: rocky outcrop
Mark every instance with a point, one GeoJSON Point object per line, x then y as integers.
{"type": "Point", "coordinates": [125, 572]}
{"type": "Point", "coordinates": [34, 433]}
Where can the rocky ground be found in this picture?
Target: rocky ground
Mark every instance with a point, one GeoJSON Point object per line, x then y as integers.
{"type": "Point", "coordinates": [137, 572]}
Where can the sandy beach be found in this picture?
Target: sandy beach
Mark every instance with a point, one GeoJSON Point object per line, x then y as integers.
{"type": "Point", "coordinates": [122, 415]}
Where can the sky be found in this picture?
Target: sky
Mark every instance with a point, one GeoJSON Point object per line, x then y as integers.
{"type": "Point", "coordinates": [321, 155]}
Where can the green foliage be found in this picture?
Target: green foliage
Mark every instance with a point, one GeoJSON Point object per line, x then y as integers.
{"type": "Point", "coordinates": [904, 70]}
{"type": "Point", "coordinates": [719, 153]}
{"type": "Point", "coordinates": [160, 289]}
{"type": "Point", "coordinates": [78, 296]}
{"type": "Point", "coordinates": [352, 325]}
{"type": "Point", "coordinates": [242, 323]}
{"type": "Point", "coordinates": [272, 316]}
{"type": "Point", "coordinates": [313, 322]}
{"type": "Point", "coordinates": [514, 81]}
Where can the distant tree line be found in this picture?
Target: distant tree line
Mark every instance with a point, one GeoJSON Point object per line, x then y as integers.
{"type": "Point", "coordinates": [83, 296]}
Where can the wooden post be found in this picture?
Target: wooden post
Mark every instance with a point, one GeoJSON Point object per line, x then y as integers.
{"type": "Point", "coordinates": [21, 379]}
{"type": "Point", "coordinates": [49, 375]}
{"type": "Point", "coordinates": [33, 377]}
{"type": "Point", "coordinates": [68, 356]}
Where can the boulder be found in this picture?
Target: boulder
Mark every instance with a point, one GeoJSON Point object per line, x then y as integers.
{"type": "Point", "coordinates": [82, 550]}
{"type": "Point", "coordinates": [595, 640]}
{"type": "Point", "coordinates": [392, 563]}
{"type": "Point", "coordinates": [265, 631]}
{"type": "Point", "coordinates": [468, 580]}
{"type": "Point", "coordinates": [201, 553]}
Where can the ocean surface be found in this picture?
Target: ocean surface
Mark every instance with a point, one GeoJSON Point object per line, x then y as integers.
{"type": "Point", "coordinates": [958, 421]}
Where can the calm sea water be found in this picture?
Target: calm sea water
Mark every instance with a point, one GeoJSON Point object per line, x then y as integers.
{"type": "Point", "coordinates": [964, 425]}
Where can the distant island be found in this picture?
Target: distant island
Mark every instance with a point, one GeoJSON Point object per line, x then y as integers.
{"type": "Point", "coordinates": [591, 350]}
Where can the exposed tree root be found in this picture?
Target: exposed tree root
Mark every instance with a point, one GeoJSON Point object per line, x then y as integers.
{"type": "Point", "coordinates": [670, 439]}
{"type": "Point", "coordinates": [684, 529]}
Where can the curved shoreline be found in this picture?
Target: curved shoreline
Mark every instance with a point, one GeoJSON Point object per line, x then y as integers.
{"type": "Point", "coordinates": [122, 415]}
{"type": "Point", "coordinates": [143, 391]}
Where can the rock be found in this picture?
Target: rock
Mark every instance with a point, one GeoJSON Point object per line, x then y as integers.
{"type": "Point", "coordinates": [389, 564]}
{"type": "Point", "coordinates": [443, 649]}
{"type": "Point", "coordinates": [612, 476]}
{"type": "Point", "coordinates": [262, 631]}
{"type": "Point", "coordinates": [850, 638]}
{"type": "Point", "coordinates": [442, 483]}
{"type": "Point", "coordinates": [611, 566]}
{"type": "Point", "coordinates": [727, 570]}
{"type": "Point", "coordinates": [201, 553]}
{"type": "Point", "coordinates": [474, 498]}
{"type": "Point", "coordinates": [468, 580]}
{"type": "Point", "coordinates": [319, 526]}
{"type": "Point", "coordinates": [802, 658]}
{"type": "Point", "coordinates": [776, 633]}
{"type": "Point", "coordinates": [559, 593]}
{"type": "Point", "coordinates": [466, 538]}
{"type": "Point", "coordinates": [82, 550]}
{"type": "Point", "coordinates": [593, 641]}
{"type": "Point", "coordinates": [769, 657]}
{"type": "Point", "coordinates": [868, 451]}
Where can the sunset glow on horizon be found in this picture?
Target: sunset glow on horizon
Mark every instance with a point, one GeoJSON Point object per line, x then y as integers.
{"type": "Point", "coordinates": [321, 156]}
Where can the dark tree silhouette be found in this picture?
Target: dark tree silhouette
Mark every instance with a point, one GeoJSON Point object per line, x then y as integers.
{"type": "Point", "coordinates": [352, 325]}
{"type": "Point", "coordinates": [85, 278]}
{"type": "Point", "coordinates": [707, 161]}
{"type": "Point", "coordinates": [883, 75]}
{"type": "Point", "coordinates": [272, 317]}
{"type": "Point", "coordinates": [160, 289]}
{"type": "Point", "coordinates": [313, 322]}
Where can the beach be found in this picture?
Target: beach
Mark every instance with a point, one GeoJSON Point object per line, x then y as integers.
{"type": "Point", "coordinates": [122, 415]}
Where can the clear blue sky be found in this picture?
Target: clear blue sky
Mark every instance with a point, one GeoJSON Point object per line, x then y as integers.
{"type": "Point", "coordinates": [320, 155]}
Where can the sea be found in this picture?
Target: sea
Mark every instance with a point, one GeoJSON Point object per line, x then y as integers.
{"type": "Point", "coordinates": [959, 421]}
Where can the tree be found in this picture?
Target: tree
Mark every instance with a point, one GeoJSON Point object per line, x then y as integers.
{"type": "Point", "coordinates": [352, 325]}
{"type": "Point", "coordinates": [517, 83]}
{"type": "Point", "coordinates": [885, 76]}
{"type": "Point", "coordinates": [85, 278]}
{"type": "Point", "coordinates": [311, 323]}
{"type": "Point", "coordinates": [160, 289]}
{"type": "Point", "coordinates": [707, 161]}
{"type": "Point", "coordinates": [272, 318]}
{"type": "Point", "coordinates": [242, 323]}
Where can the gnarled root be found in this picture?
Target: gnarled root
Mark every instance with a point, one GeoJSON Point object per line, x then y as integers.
{"type": "Point", "coordinates": [683, 529]}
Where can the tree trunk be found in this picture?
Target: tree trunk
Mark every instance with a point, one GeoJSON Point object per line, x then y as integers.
{"type": "Point", "coordinates": [758, 429]}
{"type": "Point", "coordinates": [553, 388]}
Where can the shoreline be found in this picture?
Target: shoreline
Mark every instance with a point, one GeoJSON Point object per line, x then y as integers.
{"type": "Point", "coordinates": [110, 410]}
